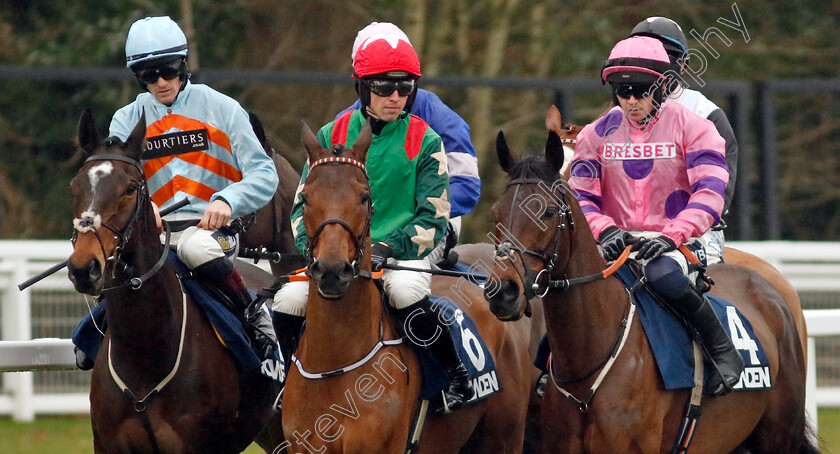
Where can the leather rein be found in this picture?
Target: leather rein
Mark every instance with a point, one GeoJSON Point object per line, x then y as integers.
{"type": "Point", "coordinates": [358, 239]}
{"type": "Point", "coordinates": [534, 286]}
{"type": "Point", "coordinates": [91, 222]}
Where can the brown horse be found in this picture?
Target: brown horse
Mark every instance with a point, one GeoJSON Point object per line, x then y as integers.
{"type": "Point", "coordinates": [568, 134]}
{"type": "Point", "coordinates": [621, 405]}
{"type": "Point", "coordinates": [370, 407]}
{"type": "Point", "coordinates": [162, 382]}
{"type": "Point", "coordinates": [270, 228]}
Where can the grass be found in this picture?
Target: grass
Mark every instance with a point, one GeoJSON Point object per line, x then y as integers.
{"type": "Point", "coordinates": [71, 435]}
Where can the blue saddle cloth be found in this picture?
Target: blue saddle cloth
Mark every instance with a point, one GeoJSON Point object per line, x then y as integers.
{"type": "Point", "coordinates": [472, 350]}
{"type": "Point", "coordinates": [230, 330]}
{"type": "Point", "coordinates": [672, 346]}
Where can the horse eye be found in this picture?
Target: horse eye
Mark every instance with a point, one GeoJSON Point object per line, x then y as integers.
{"type": "Point", "coordinates": [303, 199]}
{"type": "Point", "coordinates": [130, 190]}
{"type": "Point", "coordinates": [550, 213]}
{"type": "Point", "coordinates": [365, 198]}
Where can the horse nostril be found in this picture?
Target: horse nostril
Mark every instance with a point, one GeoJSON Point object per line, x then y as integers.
{"type": "Point", "coordinates": [316, 270]}
{"type": "Point", "coordinates": [94, 270]}
{"type": "Point", "coordinates": [510, 289]}
{"type": "Point", "coordinates": [347, 273]}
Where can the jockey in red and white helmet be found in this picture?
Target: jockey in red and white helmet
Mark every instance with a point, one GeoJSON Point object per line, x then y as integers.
{"type": "Point", "coordinates": [385, 56]}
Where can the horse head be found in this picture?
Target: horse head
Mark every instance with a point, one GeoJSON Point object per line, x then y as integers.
{"type": "Point", "coordinates": [109, 192]}
{"type": "Point", "coordinates": [532, 220]}
{"type": "Point", "coordinates": [337, 209]}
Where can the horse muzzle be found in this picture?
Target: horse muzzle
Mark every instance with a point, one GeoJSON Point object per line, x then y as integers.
{"type": "Point", "coordinates": [333, 277]}
{"type": "Point", "coordinates": [87, 278]}
{"type": "Point", "coordinates": [507, 301]}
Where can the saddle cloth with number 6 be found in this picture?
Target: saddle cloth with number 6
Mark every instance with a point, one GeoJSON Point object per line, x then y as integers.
{"type": "Point", "coordinates": [472, 350]}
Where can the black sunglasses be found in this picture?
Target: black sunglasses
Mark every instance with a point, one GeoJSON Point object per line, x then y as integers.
{"type": "Point", "coordinates": [384, 87]}
{"type": "Point", "coordinates": [639, 91]}
{"type": "Point", "coordinates": [168, 71]}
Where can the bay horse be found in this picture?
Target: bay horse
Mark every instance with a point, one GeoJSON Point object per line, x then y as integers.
{"type": "Point", "coordinates": [162, 382]}
{"type": "Point", "coordinates": [618, 400]}
{"type": "Point", "coordinates": [270, 227]}
{"type": "Point", "coordinates": [369, 407]}
{"type": "Point", "coordinates": [568, 133]}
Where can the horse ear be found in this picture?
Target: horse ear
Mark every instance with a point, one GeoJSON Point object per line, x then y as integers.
{"type": "Point", "coordinates": [88, 136]}
{"type": "Point", "coordinates": [258, 130]}
{"type": "Point", "coordinates": [308, 140]}
{"type": "Point", "coordinates": [553, 120]}
{"type": "Point", "coordinates": [554, 152]}
{"type": "Point", "coordinates": [360, 148]}
{"type": "Point", "coordinates": [136, 141]}
{"type": "Point", "coordinates": [507, 158]}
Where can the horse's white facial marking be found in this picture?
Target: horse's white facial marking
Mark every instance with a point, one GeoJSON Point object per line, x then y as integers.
{"type": "Point", "coordinates": [95, 174]}
{"type": "Point", "coordinates": [89, 222]}
{"type": "Point", "coordinates": [568, 154]}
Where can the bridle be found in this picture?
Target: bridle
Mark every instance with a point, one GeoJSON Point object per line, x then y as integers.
{"type": "Point", "coordinates": [90, 222]}
{"type": "Point", "coordinates": [532, 280]}
{"type": "Point", "coordinates": [358, 239]}
{"type": "Point", "coordinates": [532, 285]}
{"type": "Point", "coordinates": [548, 256]}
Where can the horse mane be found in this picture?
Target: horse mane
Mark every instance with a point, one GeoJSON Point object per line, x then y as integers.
{"type": "Point", "coordinates": [533, 167]}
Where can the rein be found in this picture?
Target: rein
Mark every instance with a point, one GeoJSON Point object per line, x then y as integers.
{"type": "Point", "coordinates": [532, 285]}
{"type": "Point", "coordinates": [90, 222]}
{"type": "Point", "coordinates": [358, 240]}
{"type": "Point", "coordinates": [531, 280]}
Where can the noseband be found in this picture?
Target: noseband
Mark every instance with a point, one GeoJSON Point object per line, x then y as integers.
{"type": "Point", "coordinates": [548, 256]}
{"type": "Point", "coordinates": [90, 222]}
{"type": "Point", "coordinates": [358, 239]}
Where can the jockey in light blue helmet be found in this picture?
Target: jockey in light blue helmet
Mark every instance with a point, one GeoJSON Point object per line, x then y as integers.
{"type": "Point", "coordinates": [156, 47]}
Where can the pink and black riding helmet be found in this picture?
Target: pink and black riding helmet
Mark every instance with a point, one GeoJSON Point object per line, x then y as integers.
{"type": "Point", "coordinates": [638, 59]}
{"type": "Point", "coordinates": [383, 54]}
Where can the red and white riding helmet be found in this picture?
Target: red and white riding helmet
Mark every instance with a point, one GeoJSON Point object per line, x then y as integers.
{"type": "Point", "coordinates": [386, 53]}
{"type": "Point", "coordinates": [636, 59]}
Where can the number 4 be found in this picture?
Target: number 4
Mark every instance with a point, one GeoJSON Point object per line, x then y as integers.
{"type": "Point", "coordinates": [740, 338]}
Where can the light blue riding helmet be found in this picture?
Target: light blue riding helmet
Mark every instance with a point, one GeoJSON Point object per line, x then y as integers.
{"type": "Point", "coordinates": [153, 38]}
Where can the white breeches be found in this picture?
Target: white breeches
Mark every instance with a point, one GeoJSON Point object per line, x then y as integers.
{"type": "Point", "coordinates": [404, 288]}
{"type": "Point", "coordinates": [197, 246]}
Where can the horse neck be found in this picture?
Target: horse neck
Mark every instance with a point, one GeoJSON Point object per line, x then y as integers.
{"type": "Point", "coordinates": [341, 332]}
{"type": "Point", "coordinates": [582, 322]}
{"type": "Point", "coordinates": [145, 324]}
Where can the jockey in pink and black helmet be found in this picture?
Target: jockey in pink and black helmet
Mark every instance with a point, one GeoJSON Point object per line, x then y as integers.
{"type": "Point", "coordinates": [639, 61]}
{"type": "Point", "coordinates": [385, 57]}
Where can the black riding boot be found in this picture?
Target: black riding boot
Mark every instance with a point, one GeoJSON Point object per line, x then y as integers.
{"type": "Point", "coordinates": [422, 326]}
{"type": "Point", "coordinates": [287, 328]}
{"type": "Point", "coordinates": [728, 363]}
{"type": "Point", "coordinates": [221, 273]}
{"type": "Point", "coordinates": [258, 325]}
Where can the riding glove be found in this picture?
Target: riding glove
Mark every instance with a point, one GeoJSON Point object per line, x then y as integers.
{"type": "Point", "coordinates": [379, 254]}
{"type": "Point", "coordinates": [614, 240]}
{"type": "Point", "coordinates": [652, 249]}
